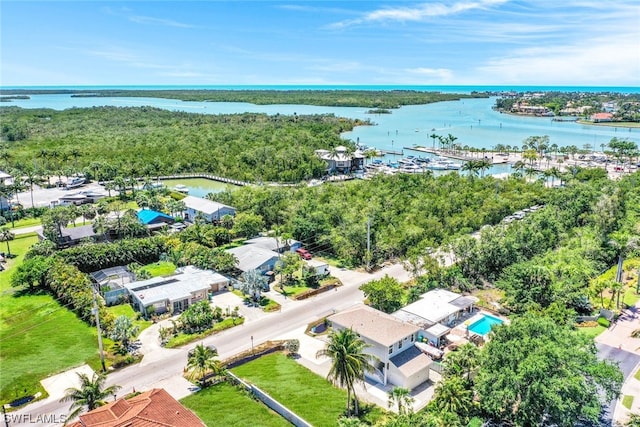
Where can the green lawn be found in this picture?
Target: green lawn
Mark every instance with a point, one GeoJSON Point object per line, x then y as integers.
{"type": "Point", "coordinates": [631, 297]}
{"type": "Point", "coordinates": [160, 268]}
{"type": "Point", "coordinates": [38, 337]}
{"type": "Point", "coordinates": [225, 405]}
{"type": "Point", "coordinates": [127, 310]}
{"type": "Point", "coordinates": [637, 375]}
{"type": "Point", "coordinates": [312, 397]}
{"type": "Point", "coordinates": [627, 401]}
{"type": "Point", "coordinates": [24, 222]}
{"type": "Point", "coordinates": [591, 331]}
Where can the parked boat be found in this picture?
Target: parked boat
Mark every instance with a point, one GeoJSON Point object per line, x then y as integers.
{"type": "Point", "coordinates": [181, 188]}
{"type": "Point", "coordinates": [76, 182]}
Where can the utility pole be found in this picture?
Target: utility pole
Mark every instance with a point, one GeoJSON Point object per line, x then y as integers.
{"type": "Point", "coordinates": [368, 256]}
{"type": "Point", "coordinates": [96, 312]}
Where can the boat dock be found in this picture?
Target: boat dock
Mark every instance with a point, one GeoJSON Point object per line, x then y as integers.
{"type": "Point", "coordinates": [394, 152]}
{"type": "Point", "coordinates": [206, 176]}
{"type": "Point", "coordinates": [496, 160]}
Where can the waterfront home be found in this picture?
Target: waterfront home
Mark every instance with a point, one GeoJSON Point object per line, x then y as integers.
{"type": "Point", "coordinates": [340, 160]}
{"type": "Point", "coordinates": [175, 293]}
{"type": "Point", "coordinates": [436, 312]}
{"type": "Point", "coordinates": [210, 210]}
{"type": "Point", "coordinates": [392, 341]}
{"type": "Point", "coordinates": [602, 117]}
{"type": "Point", "coordinates": [152, 408]}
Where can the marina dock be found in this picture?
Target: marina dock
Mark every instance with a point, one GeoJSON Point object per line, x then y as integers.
{"type": "Point", "coordinates": [496, 160]}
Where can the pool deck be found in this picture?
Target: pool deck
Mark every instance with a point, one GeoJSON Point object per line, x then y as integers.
{"type": "Point", "coordinates": [460, 334]}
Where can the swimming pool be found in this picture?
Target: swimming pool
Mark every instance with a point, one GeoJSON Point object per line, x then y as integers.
{"type": "Point", "coordinates": [483, 326]}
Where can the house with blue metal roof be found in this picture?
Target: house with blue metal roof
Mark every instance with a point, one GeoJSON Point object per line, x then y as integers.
{"type": "Point", "coordinates": [152, 218]}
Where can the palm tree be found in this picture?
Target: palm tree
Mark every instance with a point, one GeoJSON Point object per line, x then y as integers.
{"type": "Point", "coordinates": [349, 362]}
{"type": "Point", "coordinates": [5, 236]}
{"type": "Point", "coordinates": [201, 362]}
{"type": "Point", "coordinates": [433, 136]}
{"type": "Point", "coordinates": [253, 282]}
{"type": "Point", "coordinates": [400, 397]}
{"type": "Point", "coordinates": [452, 396]}
{"type": "Point", "coordinates": [90, 395]}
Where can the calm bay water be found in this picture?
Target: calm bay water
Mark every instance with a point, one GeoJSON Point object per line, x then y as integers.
{"type": "Point", "coordinates": [472, 121]}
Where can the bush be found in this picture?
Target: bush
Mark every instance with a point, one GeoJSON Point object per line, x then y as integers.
{"type": "Point", "coordinates": [603, 322]}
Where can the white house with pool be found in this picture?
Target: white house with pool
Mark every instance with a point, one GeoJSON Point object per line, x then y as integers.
{"type": "Point", "coordinates": [436, 312]}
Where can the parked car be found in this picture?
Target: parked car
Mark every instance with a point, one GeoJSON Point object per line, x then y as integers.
{"type": "Point", "coordinates": [304, 254]}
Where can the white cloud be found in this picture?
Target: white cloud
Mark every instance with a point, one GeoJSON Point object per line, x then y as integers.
{"type": "Point", "coordinates": [158, 21]}
{"type": "Point", "coordinates": [614, 60]}
{"type": "Point", "coordinates": [418, 13]}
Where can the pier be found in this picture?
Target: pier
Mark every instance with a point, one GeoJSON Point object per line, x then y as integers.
{"type": "Point", "coordinates": [465, 156]}
{"type": "Point", "coordinates": [394, 152]}
{"type": "Point", "coordinates": [206, 176]}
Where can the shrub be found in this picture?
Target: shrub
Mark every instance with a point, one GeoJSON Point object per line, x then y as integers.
{"type": "Point", "coordinates": [603, 322]}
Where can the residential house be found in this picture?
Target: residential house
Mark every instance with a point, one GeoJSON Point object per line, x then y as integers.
{"type": "Point", "coordinates": [79, 198]}
{"type": "Point", "coordinates": [435, 312]}
{"type": "Point", "coordinates": [210, 210]}
{"type": "Point", "coordinates": [175, 293]}
{"type": "Point", "coordinates": [154, 219]}
{"type": "Point", "coordinates": [253, 257]}
{"type": "Point", "coordinates": [602, 117]}
{"type": "Point", "coordinates": [391, 341]}
{"type": "Point", "coordinates": [274, 244]}
{"type": "Point", "coordinates": [73, 235]}
{"type": "Point", "coordinates": [153, 408]}
{"type": "Point", "coordinates": [340, 160]}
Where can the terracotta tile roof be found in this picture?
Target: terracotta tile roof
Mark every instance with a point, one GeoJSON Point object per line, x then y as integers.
{"type": "Point", "coordinates": [154, 408]}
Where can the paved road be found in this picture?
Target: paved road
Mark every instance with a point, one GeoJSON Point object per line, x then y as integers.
{"type": "Point", "coordinates": [164, 367]}
{"type": "Point", "coordinates": [627, 361]}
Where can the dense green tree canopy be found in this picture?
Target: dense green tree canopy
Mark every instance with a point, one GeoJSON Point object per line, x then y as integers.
{"type": "Point", "coordinates": [536, 372]}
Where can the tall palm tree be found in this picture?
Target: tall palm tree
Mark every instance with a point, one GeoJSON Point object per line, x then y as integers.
{"type": "Point", "coordinates": [5, 236]}
{"type": "Point", "coordinates": [433, 136]}
{"type": "Point", "coordinates": [90, 395]}
{"type": "Point", "coordinates": [349, 362]}
{"type": "Point", "coordinates": [400, 397]}
{"type": "Point", "coordinates": [202, 361]}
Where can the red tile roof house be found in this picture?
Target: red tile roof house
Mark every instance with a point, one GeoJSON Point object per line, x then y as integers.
{"type": "Point", "coordinates": [602, 117]}
{"type": "Point", "coordinates": [149, 409]}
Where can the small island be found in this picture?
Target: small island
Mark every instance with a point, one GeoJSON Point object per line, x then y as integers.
{"type": "Point", "coordinates": [9, 98]}
{"type": "Point", "coordinates": [379, 111]}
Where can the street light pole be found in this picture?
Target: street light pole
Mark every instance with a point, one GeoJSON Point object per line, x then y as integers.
{"type": "Point", "coordinates": [251, 344]}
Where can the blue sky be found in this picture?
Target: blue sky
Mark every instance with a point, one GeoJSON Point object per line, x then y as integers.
{"type": "Point", "coordinates": [459, 42]}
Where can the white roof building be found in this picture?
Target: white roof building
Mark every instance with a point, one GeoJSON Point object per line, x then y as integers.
{"type": "Point", "coordinates": [177, 292]}
{"type": "Point", "coordinates": [212, 211]}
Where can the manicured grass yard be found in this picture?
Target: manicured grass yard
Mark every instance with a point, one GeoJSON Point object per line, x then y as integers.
{"type": "Point", "coordinates": [38, 337]}
{"type": "Point", "coordinates": [225, 405]}
{"type": "Point", "coordinates": [160, 268]}
{"type": "Point", "coordinates": [127, 310]}
{"type": "Point", "coordinates": [312, 397]}
{"type": "Point", "coordinates": [591, 331]}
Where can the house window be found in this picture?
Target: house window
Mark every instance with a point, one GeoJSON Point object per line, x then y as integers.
{"type": "Point", "coordinates": [412, 338]}
{"type": "Point", "coordinates": [390, 349]}
{"type": "Point", "coordinates": [400, 344]}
